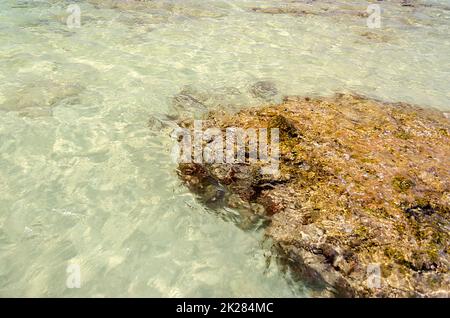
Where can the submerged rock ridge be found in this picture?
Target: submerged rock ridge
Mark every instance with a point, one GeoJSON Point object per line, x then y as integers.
{"type": "Point", "coordinates": [360, 206]}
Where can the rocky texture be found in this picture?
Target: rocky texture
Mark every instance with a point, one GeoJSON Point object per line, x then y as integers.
{"type": "Point", "coordinates": [361, 182]}
{"type": "Point", "coordinates": [193, 102]}
{"type": "Point", "coordinates": [265, 90]}
{"type": "Point", "coordinates": [187, 9]}
{"type": "Point", "coordinates": [407, 12]}
{"type": "Point", "coordinates": [314, 8]}
{"type": "Point", "coordinates": [38, 98]}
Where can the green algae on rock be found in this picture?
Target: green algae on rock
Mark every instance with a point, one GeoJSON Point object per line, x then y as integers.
{"type": "Point", "coordinates": [362, 183]}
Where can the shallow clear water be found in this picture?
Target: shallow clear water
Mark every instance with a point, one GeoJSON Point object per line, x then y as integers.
{"type": "Point", "coordinates": [83, 178]}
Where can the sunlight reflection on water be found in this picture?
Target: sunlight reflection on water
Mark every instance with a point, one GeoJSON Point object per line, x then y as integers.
{"type": "Point", "coordinates": [83, 179]}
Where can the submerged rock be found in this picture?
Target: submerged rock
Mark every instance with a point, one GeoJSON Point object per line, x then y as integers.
{"type": "Point", "coordinates": [394, 12]}
{"type": "Point", "coordinates": [216, 97]}
{"type": "Point", "coordinates": [188, 9]}
{"type": "Point", "coordinates": [265, 90]}
{"type": "Point", "coordinates": [377, 37]}
{"type": "Point", "coordinates": [361, 204]}
{"type": "Point", "coordinates": [194, 102]}
{"type": "Point", "coordinates": [320, 8]}
{"type": "Point", "coordinates": [38, 98]}
{"type": "Point", "coordinates": [184, 105]}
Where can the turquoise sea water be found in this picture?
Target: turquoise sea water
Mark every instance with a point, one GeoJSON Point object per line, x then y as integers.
{"type": "Point", "coordinates": [85, 180]}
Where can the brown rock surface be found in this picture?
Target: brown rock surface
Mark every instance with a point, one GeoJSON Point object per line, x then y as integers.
{"type": "Point", "coordinates": [362, 183]}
